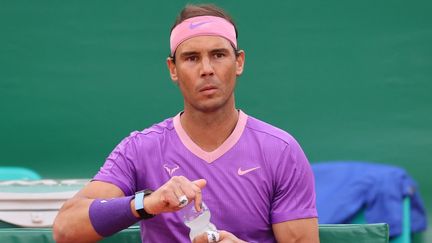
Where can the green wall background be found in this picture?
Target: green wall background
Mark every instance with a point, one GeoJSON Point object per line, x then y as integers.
{"type": "Point", "coordinates": [351, 80]}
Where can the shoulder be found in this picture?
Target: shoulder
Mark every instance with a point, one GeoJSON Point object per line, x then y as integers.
{"type": "Point", "coordinates": [274, 143]}
{"type": "Point", "coordinates": [268, 132]}
{"type": "Point", "coordinates": [156, 132]}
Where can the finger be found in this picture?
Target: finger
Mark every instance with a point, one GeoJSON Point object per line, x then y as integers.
{"type": "Point", "coordinates": [225, 236]}
{"type": "Point", "coordinates": [175, 185]}
{"type": "Point", "coordinates": [210, 236]}
{"type": "Point", "coordinates": [182, 198]}
{"type": "Point", "coordinates": [201, 238]}
{"type": "Point", "coordinates": [198, 201]}
{"type": "Point", "coordinates": [193, 192]}
{"type": "Point", "coordinates": [188, 188]}
{"type": "Point", "coordinates": [171, 193]}
{"type": "Point", "coordinates": [176, 191]}
{"type": "Point", "coordinates": [183, 201]}
{"type": "Point", "coordinates": [182, 191]}
{"type": "Point", "coordinates": [228, 241]}
{"type": "Point", "coordinates": [201, 183]}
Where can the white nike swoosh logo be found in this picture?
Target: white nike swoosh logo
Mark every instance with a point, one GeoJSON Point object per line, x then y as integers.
{"type": "Point", "coordinates": [243, 172]}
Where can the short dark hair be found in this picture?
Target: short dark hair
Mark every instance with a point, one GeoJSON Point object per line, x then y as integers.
{"type": "Point", "coordinates": [195, 10]}
{"type": "Point", "coordinates": [191, 10]}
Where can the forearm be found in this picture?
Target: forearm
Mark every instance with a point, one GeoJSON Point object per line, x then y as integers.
{"type": "Point", "coordinates": [84, 219]}
{"type": "Point", "coordinates": [73, 224]}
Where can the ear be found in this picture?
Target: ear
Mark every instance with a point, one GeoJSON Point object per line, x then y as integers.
{"type": "Point", "coordinates": [172, 69]}
{"type": "Point", "coordinates": [240, 60]}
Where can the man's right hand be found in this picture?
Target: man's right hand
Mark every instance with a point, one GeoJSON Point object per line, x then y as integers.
{"type": "Point", "coordinates": [166, 198]}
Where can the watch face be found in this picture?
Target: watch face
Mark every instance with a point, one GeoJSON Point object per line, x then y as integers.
{"type": "Point", "coordinates": [139, 200]}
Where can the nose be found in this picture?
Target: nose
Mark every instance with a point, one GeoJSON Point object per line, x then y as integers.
{"type": "Point", "coordinates": [206, 67]}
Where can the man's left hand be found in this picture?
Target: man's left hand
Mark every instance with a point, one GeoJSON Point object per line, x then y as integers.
{"type": "Point", "coordinates": [224, 237]}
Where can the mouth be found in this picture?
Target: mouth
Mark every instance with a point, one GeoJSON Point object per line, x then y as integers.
{"type": "Point", "coordinates": [207, 88]}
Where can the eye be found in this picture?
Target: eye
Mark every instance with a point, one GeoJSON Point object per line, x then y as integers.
{"type": "Point", "coordinates": [219, 55]}
{"type": "Point", "coordinates": [191, 58]}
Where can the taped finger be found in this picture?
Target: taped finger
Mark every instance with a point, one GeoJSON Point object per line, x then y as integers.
{"type": "Point", "coordinates": [183, 201]}
{"type": "Point", "coordinates": [212, 236]}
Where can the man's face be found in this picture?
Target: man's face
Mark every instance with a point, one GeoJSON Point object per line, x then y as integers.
{"type": "Point", "coordinates": [206, 69]}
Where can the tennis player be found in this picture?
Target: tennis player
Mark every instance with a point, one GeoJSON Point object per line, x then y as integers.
{"type": "Point", "coordinates": [254, 177]}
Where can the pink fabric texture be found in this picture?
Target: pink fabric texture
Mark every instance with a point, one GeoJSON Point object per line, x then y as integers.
{"type": "Point", "coordinates": [199, 26]}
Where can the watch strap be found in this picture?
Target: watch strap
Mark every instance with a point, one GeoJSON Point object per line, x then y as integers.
{"type": "Point", "coordinates": [139, 203]}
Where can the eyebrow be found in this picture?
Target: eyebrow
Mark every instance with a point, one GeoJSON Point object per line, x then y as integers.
{"type": "Point", "coordinates": [188, 53]}
{"type": "Point", "coordinates": [192, 53]}
{"type": "Point", "coordinates": [219, 50]}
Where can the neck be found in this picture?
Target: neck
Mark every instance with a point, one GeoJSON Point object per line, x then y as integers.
{"type": "Point", "coordinates": [209, 129]}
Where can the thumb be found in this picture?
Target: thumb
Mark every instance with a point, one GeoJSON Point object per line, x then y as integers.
{"type": "Point", "coordinates": [201, 183]}
{"type": "Point", "coordinates": [201, 238]}
{"type": "Point", "coordinates": [208, 236]}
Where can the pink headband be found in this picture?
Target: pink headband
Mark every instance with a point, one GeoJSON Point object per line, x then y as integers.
{"type": "Point", "coordinates": [202, 25]}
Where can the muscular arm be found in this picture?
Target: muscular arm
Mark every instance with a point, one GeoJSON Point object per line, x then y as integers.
{"type": "Point", "coordinates": [72, 223]}
{"type": "Point", "coordinates": [297, 231]}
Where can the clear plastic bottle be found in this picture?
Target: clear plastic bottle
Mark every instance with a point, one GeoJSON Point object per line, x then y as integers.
{"type": "Point", "coordinates": [198, 222]}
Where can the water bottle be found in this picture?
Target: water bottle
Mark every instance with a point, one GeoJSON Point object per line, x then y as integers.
{"type": "Point", "coordinates": [198, 222]}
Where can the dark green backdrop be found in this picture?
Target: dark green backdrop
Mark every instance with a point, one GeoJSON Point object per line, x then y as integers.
{"type": "Point", "coordinates": [351, 80]}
